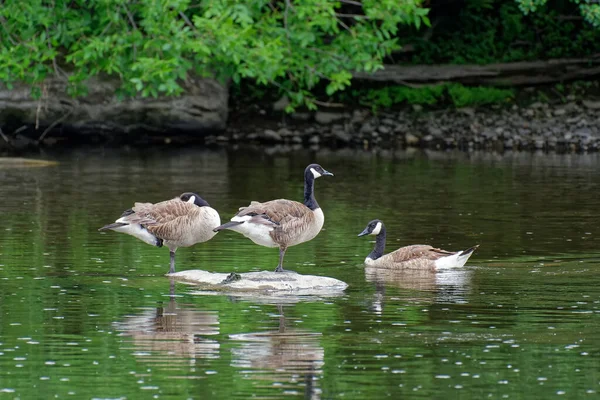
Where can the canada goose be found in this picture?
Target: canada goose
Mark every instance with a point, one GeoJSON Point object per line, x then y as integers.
{"type": "Point", "coordinates": [179, 222]}
{"type": "Point", "coordinates": [417, 256]}
{"type": "Point", "coordinates": [282, 223]}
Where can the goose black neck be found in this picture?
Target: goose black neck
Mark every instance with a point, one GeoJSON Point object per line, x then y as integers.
{"type": "Point", "coordinates": [309, 190]}
{"type": "Point", "coordinates": [379, 245]}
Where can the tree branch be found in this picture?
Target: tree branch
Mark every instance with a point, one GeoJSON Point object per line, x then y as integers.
{"type": "Point", "coordinates": [285, 19]}
{"type": "Point", "coordinates": [10, 39]}
{"type": "Point", "coordinates": [346, 27]}
{"type": "Point", "coordinates": [187, 20]}
{"type": "Point", "coordinates": [351, 2]}
{"type": "Point", "coordinates": [3, 136]}
{"type": "Point", "coordinates": [130, 17]}
{"type": "Point", "coordinates": [357, 16]}
{"type": "Point", "coordinates": [52, 125]}
{"type": "Point", "coordinates": [328, 104]}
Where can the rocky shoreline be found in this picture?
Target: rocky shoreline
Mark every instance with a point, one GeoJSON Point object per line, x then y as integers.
{"type": "Point", "coordinates": [570, 126]}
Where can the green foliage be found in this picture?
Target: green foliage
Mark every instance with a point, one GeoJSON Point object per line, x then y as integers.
{"type": "Point", "coordinates": [590, 9]}
{"type": "Point", "coordinates": [154, 46]}
{"type": "Point", "coordinates": [489, 31]}
{"type": "Point", "coordinates": [454, 93]}
{"type": "Point", "coordinates": [474, 96]}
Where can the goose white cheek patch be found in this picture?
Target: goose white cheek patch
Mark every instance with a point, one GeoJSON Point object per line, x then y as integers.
{"type": "Point", "coordinates": [192, 199]}
{"type": "Point", "coordinates": [377, 229]}
{"type": "Point", "coordinates": [315, 173]}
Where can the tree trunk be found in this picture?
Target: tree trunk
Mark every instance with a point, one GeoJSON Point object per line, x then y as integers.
{"type": "Point", "coordinates": [503, 74]}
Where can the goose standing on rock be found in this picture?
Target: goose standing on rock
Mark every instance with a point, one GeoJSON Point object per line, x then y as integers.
{"type": "Point", "coordinates": [282, 223]}
{"type": "Point", "coordinates": [417, 256]}
{"type": "Point", "coordinates": [179, 222]}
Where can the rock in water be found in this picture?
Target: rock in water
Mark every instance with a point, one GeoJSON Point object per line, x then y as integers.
{"type": "Point", "coordinates": [263, 281]}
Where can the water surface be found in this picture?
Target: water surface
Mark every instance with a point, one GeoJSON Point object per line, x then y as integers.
{"type": "Point", "coordinates": [85, 314]}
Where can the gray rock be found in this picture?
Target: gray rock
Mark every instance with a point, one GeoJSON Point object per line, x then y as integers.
{"type": "Point", "coordinates": [297, 140]}
{"type": "Point", "coordinates": [314, 140]}
{"type": "Point", "coordinates": [591, 104]}
{"type": "Point", "coordinates": [301, 116]}
{"type": "Point", "coordinates": [358, 116]}
{"type": "Point", "coordinates": [324, 118]}
{"type": "Point", "coordinates": [559, 112]}
{"type": "Point", "coordinates": [417, 107]}
{"type": "Point", "coordinates": [271, 135]}
{"type": "Point", "coordinates": [342, 136]}
{"type": "Point", "coordinates": [388, 122]}
{"type": "Point", "coordinates": [468, 111]}
{"type": "Point", "coordinates": [285, 132]}
{"type": "Point", "coordinates": [366, 128]}
{"type": "Point", "coordinates": [436, 132]}
{"type": "Point", "coordinates": [411, 140]}
{"type": "Point", "coordinates": [583, 132]}
{"type": "Point", "coordinates": [536, 105]}
{"type": "Point", "coordinates": [202, 107]}
{"type": "Point", "coordinates": [384, 129]}
{"type": "Point", "coordinates": [263, 281]}
{"type": "Point", "coordinates": [281, 104]}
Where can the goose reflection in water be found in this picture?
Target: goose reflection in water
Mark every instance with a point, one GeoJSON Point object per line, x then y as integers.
{"type": "Point", "coordinates": [172, 334]}
{"type": "Point", "coordinates": [290, 357]}
{"type": "Point", "coordinates": [449, 286]}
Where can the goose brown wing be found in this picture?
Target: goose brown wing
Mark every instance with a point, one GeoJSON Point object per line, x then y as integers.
{"type": "Point", "coordinates": [418, 251]}
{"type": "Point", "coordinates": [149, 214]}
{"type": "Point", "coordinates": [172, 218]}
{"type": "Point", "coordinates": [280, 212]}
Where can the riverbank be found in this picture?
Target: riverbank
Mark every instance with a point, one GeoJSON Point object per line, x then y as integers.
{"type": "Point", "coordinates": [572, 125]}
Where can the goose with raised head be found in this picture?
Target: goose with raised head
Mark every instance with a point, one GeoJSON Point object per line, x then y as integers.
{"type": "Point", "coordinates": [417, 256]}
{"type": "Point", "coordinates": [282, 223]}
{"type": "Point", "coordinates": [180, 222]}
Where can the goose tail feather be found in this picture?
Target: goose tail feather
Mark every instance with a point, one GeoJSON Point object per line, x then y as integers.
{"type": "Point", "coordinates": [228, 225]}
{"type": "Point", "coordinates": [112, 226]}
{"type": "Point", "coordinates": [456, 260]}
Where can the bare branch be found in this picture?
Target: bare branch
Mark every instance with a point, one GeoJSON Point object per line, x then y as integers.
{"type": "Point", "coordinates": [130, 17]}
{"type": "Point", "coordinates": [329, 54]}
{"type": "Point", "coordinates": [187, 20]}
{"type": "Point", "coordinates": [3, 136]}
{"type": "Point", "coordinates": [10, 39]}
{"type": "Point", "coordinates": [53, 58]}
{"type": "Point", "coordinates": [357, 16]}
{"type": "Point", "coordinates": [351, 2]}
{"type": "Point", "coordinates": [285, 19]}
{"type": "Point", "coordinates": [285, 14]}
{"type": "Point", "coordinates": [106, 28]}
{"type": "Point", "coordinates": [346, 27]}
{"type": "Point", "coordinates": [52, 125]}
{"type": "Point", "coordinates": [328, 104]}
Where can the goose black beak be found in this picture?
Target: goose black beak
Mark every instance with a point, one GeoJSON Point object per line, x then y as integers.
{"type": "Point", "coordinates": [363, 233]}
{"type": "Point", "coordinates": [327, 173]}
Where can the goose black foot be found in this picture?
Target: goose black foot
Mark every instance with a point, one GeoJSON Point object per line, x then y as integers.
{"type": "Point", "coordinates": [280, 269]}
{"type": "Point", "coordinates": [232, 277]}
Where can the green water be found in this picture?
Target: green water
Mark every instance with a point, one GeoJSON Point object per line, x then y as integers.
{"type": "Point", "coordinates": [88, 315]}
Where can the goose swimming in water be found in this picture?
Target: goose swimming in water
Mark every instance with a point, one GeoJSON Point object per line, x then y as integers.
{"type": "Point", "coordinates": [282, 223]}
{"type": "Point", "coordinates": [418, 256]}
{"type": "Point", "coordinates": [179, 222]}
